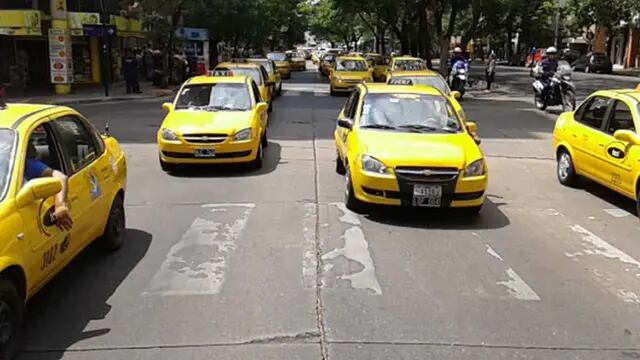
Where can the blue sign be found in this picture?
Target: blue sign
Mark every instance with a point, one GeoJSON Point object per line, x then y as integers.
{"type": "Point", "coordinates": [193, 34]}
{"type": "Point", "coordinates": [99, 30]}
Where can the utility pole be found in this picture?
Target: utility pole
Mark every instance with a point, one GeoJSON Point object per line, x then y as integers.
{"type": "Point", "coordinates": [106, 49]}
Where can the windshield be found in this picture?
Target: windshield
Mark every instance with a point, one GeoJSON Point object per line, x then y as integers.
{"type": "Point", "coordinates": [7, 145]}
{"type": "Point", "coordinates": [213, 97]}
{"type": "Point", "coordinates": [409, 112]}
{"type": "Point", "coordinates": [351, 65]}
{"type": "Point", "coordinates": [408, 65]}
{"type": "Point", "coordinates": [435, 81]}
{"type": "Point", "coordinates": [277, 56]}
{"type": "Point", "coordinates": [265, 63]}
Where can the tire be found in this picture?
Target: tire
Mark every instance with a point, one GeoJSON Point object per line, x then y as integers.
{"type": "Point", "coordinates": [11, 319]}
{"type": "Point", "coordinates": [167, 167]}
{"type": "Point", "coordinates": [565, 169]}
{"type": "Point", "coordinates": [332, 92]}
{"type": "Point", "coordinates": [540, 104]}
{"type": "Point", "coordinates": [350, 199]}
{"type": "Point", "coordinates": [265, 140]}
{"type": "Point", "coordinates": [257, 162]}
{"type": "Point", "coordinates": [340, 165]}
{"type": "Point", "coordinates": [113, 236]}
{"type": "Point", "coordinates": [569, 101]}
{"type": "Point", "coordinates": [280, 89]}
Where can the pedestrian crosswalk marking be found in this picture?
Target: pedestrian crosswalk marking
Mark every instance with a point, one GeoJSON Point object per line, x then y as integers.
{"type": "Point", "coordinates": [356, 248]}
{"type": "Point", "coordinates": [197, 264]}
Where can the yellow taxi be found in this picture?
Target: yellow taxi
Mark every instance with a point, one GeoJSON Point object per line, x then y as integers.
{"type": "Point", "coordinates": [600, 141]}
{"type": "Point", "coordinates": [274, 76]}
{"type": "Point", "coordinates": [430, 78]}
{"type": "Point", "coordinates": [282, 64]}
{"type": "Point", "coordinates": [327, 63]}
{"type": "Point", "coordinates": [256, 72]}
{"type": "Point", "coordinates": [406, 146]}
{"type": "Point", "coordinates": [62, 186]}
{"type": "Point", "coordinates": [379, 64]}
{"type": "Point", "coordinates": [213, 120]}
{"type": "Point", "coordinates": [349, 71]}
{"type": "Point", "coordinates": [405, 63]}
{"type": "Point", "coordinates": [297, 60]}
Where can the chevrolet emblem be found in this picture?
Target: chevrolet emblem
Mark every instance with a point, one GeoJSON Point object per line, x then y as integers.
{"type": "Point", "coordinates": [205, 138]}
{"type": "Point", "coordinates": [426, 172]}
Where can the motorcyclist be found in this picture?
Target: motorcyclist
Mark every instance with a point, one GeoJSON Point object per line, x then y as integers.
{"type": "Point", "coordinates": [548, 66]}
{"type": "Point", "coordinates": [457, 56]}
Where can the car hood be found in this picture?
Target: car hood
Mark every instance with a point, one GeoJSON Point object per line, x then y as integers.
{"type": "Point", "coordinates": [352, 75]}
{"type": "Point", "coordinates": [188, 121]}
{"type": "Point", "coordinates": [419, 149]}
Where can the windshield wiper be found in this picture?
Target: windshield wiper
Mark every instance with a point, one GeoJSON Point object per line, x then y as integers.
{"type": "Point", "coordinates": [378, 126]}
{"type": "Point", "coordinates": [419, 128]}
{"type": "Point", "coordinates": [221, 108]}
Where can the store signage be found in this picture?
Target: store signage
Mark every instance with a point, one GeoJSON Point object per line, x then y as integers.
{"type": "Point", "coordinates": [60, 56]}
{"type": "Point", "coordinates": [20, 22]}
{"type": "Point", "coordinates": [78, 19]}
{"type": "Point", "coordinates": [59, 9]}
{"type": "Point", "coordinates": [99, 30]}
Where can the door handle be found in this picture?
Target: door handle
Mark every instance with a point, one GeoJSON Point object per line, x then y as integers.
{"type": "Point", "coordinates": [601, 145]}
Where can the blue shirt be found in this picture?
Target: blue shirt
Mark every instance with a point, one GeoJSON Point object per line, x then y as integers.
{"type": "Point", "coordinates": [34, 169]}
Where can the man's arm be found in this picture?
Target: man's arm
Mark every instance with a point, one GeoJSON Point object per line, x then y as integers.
{"type": "Point", "coordinates": [61, 212]}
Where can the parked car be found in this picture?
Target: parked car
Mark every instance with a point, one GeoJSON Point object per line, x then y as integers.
{"type": "Point", "coordinates": [570, 55]}
{"type": "Point", "coordinates": [534, 58]}
{"type": "Point", "coordinates": [593, 62]}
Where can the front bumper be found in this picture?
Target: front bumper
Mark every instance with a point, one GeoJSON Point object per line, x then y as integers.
{"type": "Point", "coordinates": [179, 152]}
{"type": "Point", "coordinates": [397, 190]}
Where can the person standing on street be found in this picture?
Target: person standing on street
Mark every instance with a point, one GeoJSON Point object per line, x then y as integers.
{"type": "Point", "coordinates": [490, 70]}
{"type": "Point", "coordinates": [130, 69]}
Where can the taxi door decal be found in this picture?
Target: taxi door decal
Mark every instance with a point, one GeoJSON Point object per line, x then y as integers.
{"type": "Point", "coordinates": [616, 153]}
{"type": "Point", "coordinates": [94, 186]}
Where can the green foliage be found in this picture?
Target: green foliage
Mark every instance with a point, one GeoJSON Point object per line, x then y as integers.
{"type": "Point", "coordinates": [603, 13]}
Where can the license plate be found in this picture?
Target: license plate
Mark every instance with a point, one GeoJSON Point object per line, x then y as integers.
{"type": "Point", "coordinates": [205, 153]}
{"type": "Point", "coordinates": [427, 195]}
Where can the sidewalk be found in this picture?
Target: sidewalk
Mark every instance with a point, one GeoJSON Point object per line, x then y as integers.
{"type": "Point", "coordinates": [83, 94]}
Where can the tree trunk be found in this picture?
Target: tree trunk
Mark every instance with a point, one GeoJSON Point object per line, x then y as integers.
{"type": "Point", "coordinates": [444, 55]}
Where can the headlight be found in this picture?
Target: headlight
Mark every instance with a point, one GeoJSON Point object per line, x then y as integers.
{"type": "Point", "coordinates": [339, 80]}
{"type": "Point", "coordinates": [244, 134]}
{"type": "Point", "coordinates": [373, 165]}
{"type": "Point", "coordinates": [476, 168]}
{"type": "Point", "coordinates": [168, 134]}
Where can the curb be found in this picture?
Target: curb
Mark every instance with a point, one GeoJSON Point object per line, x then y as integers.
{"type": "Point", "coordinates": [96, 100]}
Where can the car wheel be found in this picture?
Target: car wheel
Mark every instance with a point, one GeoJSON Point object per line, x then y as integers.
{"type": "Point", "coordinates": [565, 170]}
{"type": "Point", "coordinates": [257, 162]}
{"type": "Point", "coordinates": [113, 236]}
{"type": "Point", "coordinates": [540, 104]}
{"type": "Point", "coordinates": [350, 199]}
{"type": "Point", "coordinates": [167, 167]}
{"type": "Point", "coordinates": [11, 317]}
{"type": "Point", "coordinates": [332, 92]}
{"type": "Point", "coordinates": [339, 165]}
{"type": "Point", "coordinates": [265, 140]}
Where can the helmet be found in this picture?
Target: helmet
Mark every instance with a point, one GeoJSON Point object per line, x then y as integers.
{"type": "Point", "coordinates": [551, 50]}
{"type": "Point", "coordinates": [457, 50]}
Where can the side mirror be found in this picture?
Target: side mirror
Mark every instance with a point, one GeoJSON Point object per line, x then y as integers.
{"type": "Point", "coordinates": [456, 94]}
{"type": "Point", "coordinates": [627, 136]}
{"type": "Point", "coordinates": [262, 107]}
{"type": "Point", "coordinates": [168, 107]}
{"type": "Point", "coordinates": [345, 123]}
{"type": "Point", "coordinates": [38, 189]}
{"type": "Point", "coordinates": [472, 127]}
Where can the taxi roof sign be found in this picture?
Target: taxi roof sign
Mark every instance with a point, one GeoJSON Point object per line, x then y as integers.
{"type": "Point", "coordinates": [400, 81]}
{"type": "Point", "coordinates": [221, 72]}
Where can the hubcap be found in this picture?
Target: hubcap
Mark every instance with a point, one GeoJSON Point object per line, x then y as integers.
{"type": "Point", "coordinates": [564, 165]}
{"type": "Point", "coordinates": [5, 323]}
{"type": "Point", "coordinates": [347, 183]}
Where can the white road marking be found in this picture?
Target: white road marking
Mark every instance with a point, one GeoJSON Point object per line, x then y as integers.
{"type": "Point", "coordinates": [518, 288]}
{"type": "Point", "coordinates": [309, 260]}
{"type": "Point", "coordinates": [291, 93]}
{"type": "Point", "coordinates": [493, 253]}
{"type": "Point", "coordinates": [617, 213]}
{"type": "Point", "coordinates": [593, 245]}
{"type": "Point", "coordinates": [356, 248]}
{"type": "Point", "coordinates": [197, 264]}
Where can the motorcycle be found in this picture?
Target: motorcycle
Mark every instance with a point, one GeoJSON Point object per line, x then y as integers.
{"type": "Point", "coordinates": [561, 89]}
{"type": "Point", "coordinates": [459, 75]}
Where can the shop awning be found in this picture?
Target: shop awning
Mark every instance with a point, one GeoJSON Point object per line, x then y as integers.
{"type": "Point", "coordinates": [20, 22]}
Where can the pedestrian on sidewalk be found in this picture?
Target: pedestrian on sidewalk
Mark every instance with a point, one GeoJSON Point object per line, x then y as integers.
{"type": "Point", "coordinates": [490, 70]}
{"type": "Point", "coordinates": [2, 95]}
{"type": "Point", "coordinates": [130, 69]}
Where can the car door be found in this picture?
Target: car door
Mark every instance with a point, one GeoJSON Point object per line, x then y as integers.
{"type": "Point", "coordinates": [617, 158]}
{"type": "Point", "coordinates": [585, 131]}
{"type": "Point", "coordinates": [87, 171]}
{"type": "Point", "coordinates": [48, 243]}
{"type": "Point", "coordinates": [257, 98]}
{"type": "Point", "coordinates": [348, 112]}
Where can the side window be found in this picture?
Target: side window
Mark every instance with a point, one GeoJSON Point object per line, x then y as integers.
{"type": "Point", "coordinates": [353, 106]}
{"type": "Point", "coordinates": [621, 118]}
{"type": "Point", "coordinates": [42, 152]}
{"type": "Point", "coordinates": [76, 141]}
{"type": "Point", "coordinates": [348, 105]}
{"type": "Point", "coordinates": [256, 92]}
{"type": "Point", "coordinates": [594, 112]}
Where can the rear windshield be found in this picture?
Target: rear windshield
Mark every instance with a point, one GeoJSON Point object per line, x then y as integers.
{"type": "Point", "coordinates": [408, 65]}
{"type": "Point", "coordinates": [7, 149]}
{"type": "Point", "coordinates": [254, 73]}
{"type": "Point", "coordinates": [214, 97]}
{"type": "Point", "coordinates": [265, 63]}
{"type": "Point", "coordinates": [435, 81]}
{"type": "Point", "coordinates": [277, 56]}
{"type": "Point", "coordinates": [351, 65]}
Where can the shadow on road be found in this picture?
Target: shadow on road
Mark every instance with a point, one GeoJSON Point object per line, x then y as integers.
{"type": "Point", "coordinates": [57, 316]}
{"type": "Point", "coordinates": [490, 217]}
{"type": "Point", "coordinates": [609, 196]}
{"type": "Point", "coordinates": [272, 157]}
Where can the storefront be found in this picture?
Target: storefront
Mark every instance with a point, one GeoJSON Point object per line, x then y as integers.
{"type": "Point", "coordinates": [196, 46]}
{"type": "Point", "coordinates": [85, 49]}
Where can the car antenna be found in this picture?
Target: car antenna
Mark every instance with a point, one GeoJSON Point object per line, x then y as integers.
{"type": "Point", "coordinates": [106, 129]}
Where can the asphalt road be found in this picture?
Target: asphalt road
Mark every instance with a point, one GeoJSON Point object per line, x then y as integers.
{"type": "Point", "coordinates": [238, 264]}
